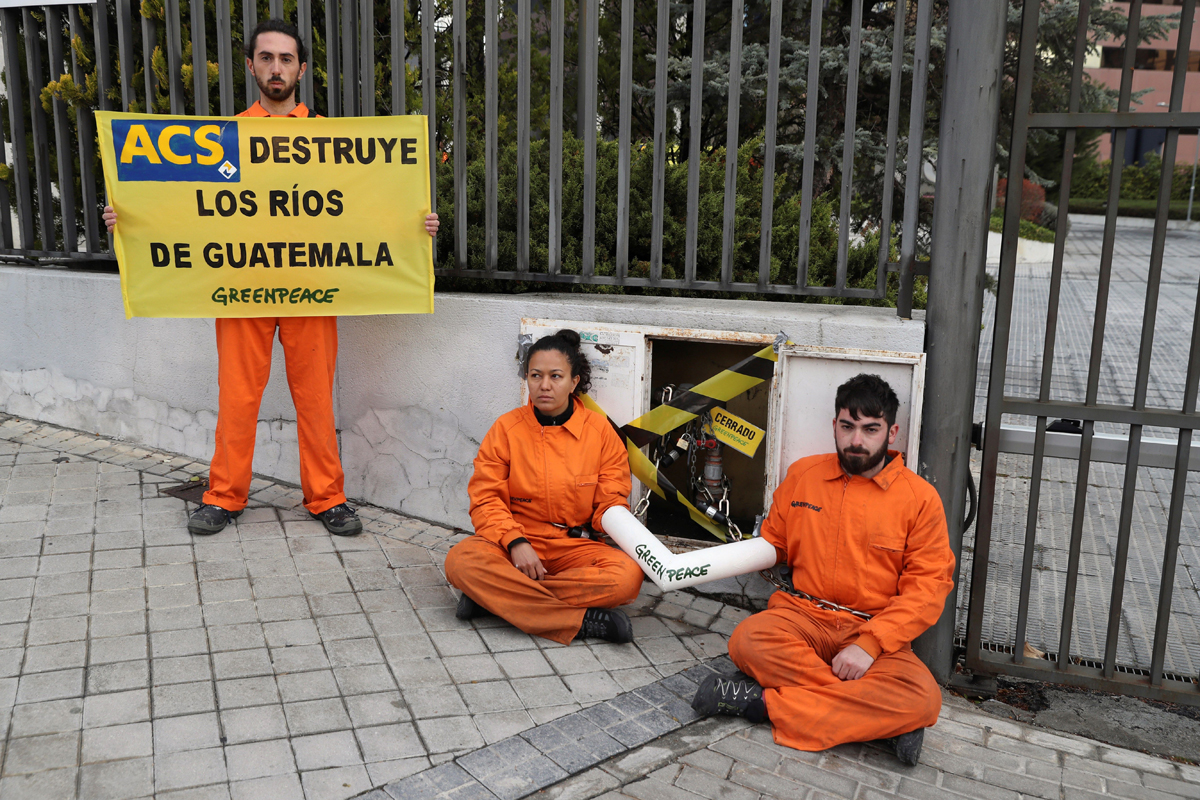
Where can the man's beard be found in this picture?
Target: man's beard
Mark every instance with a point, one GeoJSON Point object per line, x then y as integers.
{"type": "Point", "coordinates": [859, 460]}
{"type": "Point", "coordinates": [277, 94]}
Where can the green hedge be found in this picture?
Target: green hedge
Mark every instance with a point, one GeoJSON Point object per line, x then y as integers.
{"type": "Point", "coordinates": [1089, 180]}
{"type": "Point", "coordinates": [1028, 230]}
{"type": "Point", "coordinates": [785, 234]}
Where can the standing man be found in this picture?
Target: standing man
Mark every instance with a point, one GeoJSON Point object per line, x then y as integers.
{"type": "Point", "coordinates": [277, 58]}
{"type": "Point", "coordinates": [830, 662]}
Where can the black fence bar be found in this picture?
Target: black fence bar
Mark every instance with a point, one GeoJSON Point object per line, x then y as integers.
{"type": "Point", "coordinates": [557, 58]}
{"type": "Point", "coordinates": [304, 24]}
{"type": "Point", "coordinates": [767, 218]}
{"type": "Point", "coordinates": [149, 37]}
{"type": "Point", "coordinates": [39, 135]}
{"type": "Point", "coordinates": [250, 22]}
{"type": "Point", "coordinates": [460, 134]}
{"type": "Point", "coordinates": [63, 156]}
{"type": "Point", "coordinates": [731, 138]}
{"type": "Point", "coordinates": [623, 139]}
{"type": "Point", "coordinates": [491, 166]}
{"type": "Point", "coordinates": [524, 45]}
{"type": "Point", "coordinates": [893, 127]}
{"type": "Point", "coordinates": [226, 60]}
{"type": "Point", "coordinates": [83, 124]}
{"type": "Point", "coordinates": [199, 60]}
{"type": "Point", "coordinates": [658, 192]}
{"type": "Point", "coordinates": [103, 64]}
{"type": "Point", "coordinates": [399, 52]}
{"type": "Point", "coordinates": [16, 124]}
{"type": "Point", "coordinates": [429, 99]}
{"type": "Point", "coordinates": [695, 111]}
{"type": "Point", "coordinates": [333, 59]}
{"type": "Point", "coordinates": [124, 51]}
{"type": "Point", "coordinates": [366, 54]}
{"type": "Point", "coordinates": [588, 92]}
{"type": "Point", "coordinates": [810, 142]}
{"type": "Point", "coordinates": [912, 168]}
{"type": "Point", "coordinates": [174, 57]}
{"type": "Point", "coordinates": [843, 252]}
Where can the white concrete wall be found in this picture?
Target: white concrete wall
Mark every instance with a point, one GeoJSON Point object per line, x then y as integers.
{"type": "Point", "coordinates": [415, 393]}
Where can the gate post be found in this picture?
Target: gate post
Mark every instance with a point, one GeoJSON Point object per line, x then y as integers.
{"type": "Point", "coordinates": [966, 152]}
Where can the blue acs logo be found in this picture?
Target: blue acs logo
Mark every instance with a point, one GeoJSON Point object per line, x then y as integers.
{"type": "Point", "coordinates": [176, 150]}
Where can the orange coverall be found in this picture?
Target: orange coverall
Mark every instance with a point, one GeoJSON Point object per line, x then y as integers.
{"type": "Point", "coordinates": [876, 545]}
{"type": "Point", "coordinates": [537, 482]}
{"type": "Point", "coordinates": [244, 365]}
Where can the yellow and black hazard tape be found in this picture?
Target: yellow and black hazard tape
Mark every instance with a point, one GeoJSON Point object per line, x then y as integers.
{"type": "Point", "coordinates": [682, 409]}
{"type": "Point", "coordinates": [720, 388]}
{"type": "Point", "coordinates": [644, 470]}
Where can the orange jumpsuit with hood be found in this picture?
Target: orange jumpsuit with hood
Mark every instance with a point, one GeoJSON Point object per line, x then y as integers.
{"type": "Point", "coordinates": [537, 482]}
{"type": "Point", "coordinates": [244, 365]}
{"type": "Point", "coordinates": [877, 545]}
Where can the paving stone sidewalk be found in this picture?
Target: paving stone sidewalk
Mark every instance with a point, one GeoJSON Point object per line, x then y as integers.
{"type": "Point", "coordinates": [275, 661]}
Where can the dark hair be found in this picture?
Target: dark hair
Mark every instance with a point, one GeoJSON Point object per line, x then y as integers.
{"type": "Point", "coordinates": [566, 342]}
{"type": "Point", "coordinates": [276, 25]}
{"type": "Point", "coordinates": [867, 396]}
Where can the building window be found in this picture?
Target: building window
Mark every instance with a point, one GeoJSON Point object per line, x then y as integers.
{"type": "Point", "coordinates": [1147, 58]}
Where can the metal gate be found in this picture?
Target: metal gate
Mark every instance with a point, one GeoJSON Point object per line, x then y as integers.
{"type": "Point", "coordinates": [1081, 527]}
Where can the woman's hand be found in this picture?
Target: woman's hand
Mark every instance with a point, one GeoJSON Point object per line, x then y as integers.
{"type": "Point", "coordinates": [525, 558]}
{"type": "Point", "coordinates": [432, 224]}
{"type": "Point", "coordinates": [110, 218]}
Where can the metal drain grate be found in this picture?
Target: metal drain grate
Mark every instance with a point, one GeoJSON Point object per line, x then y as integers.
{"type": "Point", "coordinates": [192, 491]}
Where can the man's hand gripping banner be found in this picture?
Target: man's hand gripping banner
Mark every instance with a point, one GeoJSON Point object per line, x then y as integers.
{"type": "Point", "coordinates": [258, 217]}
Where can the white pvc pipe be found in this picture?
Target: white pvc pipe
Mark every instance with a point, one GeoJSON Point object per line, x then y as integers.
{"type": "Point", "coordinates": [678, 570]}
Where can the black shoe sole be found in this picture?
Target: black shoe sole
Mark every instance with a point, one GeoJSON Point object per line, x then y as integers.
{"type": "Point", "coordinates": [198, 530]}
{"type": "Point", "coordinates": [354, 529]}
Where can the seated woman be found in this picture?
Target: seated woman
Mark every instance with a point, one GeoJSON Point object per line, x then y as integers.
{"type": "Point", "coordinates": [543, 470]}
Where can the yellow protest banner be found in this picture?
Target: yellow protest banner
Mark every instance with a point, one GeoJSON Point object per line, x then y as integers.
{"type": "Point", "coordinates": [736, 432]}
{"type": "Point", "coordinates": [261, 217]}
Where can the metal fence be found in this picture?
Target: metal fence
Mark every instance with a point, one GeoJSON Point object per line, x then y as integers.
{"type": "Point", "coordinates": [1121, 405]}
{"type": "Point", "coordinates": [57, 201]}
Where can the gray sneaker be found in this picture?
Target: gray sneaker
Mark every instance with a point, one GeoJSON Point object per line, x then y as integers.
{"type": "Point", "coordinates": [209, 519]}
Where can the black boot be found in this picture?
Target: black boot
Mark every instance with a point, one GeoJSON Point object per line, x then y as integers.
{"type": "Point", "coordinates": [908, 746]}
{"type": "Point", "coordinates": [209, 519]}
{"type": "Point", "coordinates": [610, 624]}
{"type": "Point", "coordinates": [468, 608]}
{"type": "Point", "coordinates": [340, 520]}
{"type": "Point", "coordinates": [731, 696]}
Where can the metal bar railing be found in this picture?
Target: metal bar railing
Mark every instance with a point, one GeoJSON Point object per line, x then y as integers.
{"type": "Point", "coordinates": [41, 144]}
{"type": "Point", "coordinates": [623, 140]}
{"type": "Point", "coordinates": [124, 51]}
{"type": "Point", "coordinates": [732, 135]}
{"type": "Point", "coordinates": [199, 61]}
{"type": "Point", "coordinates": [661, 251]}
{"type": "Point", "coordinates": [62, 133]}
{"type": "Point", "coordinates": [770, 124]}
{"type": "Point", "coordinates": [810, 142]}
{"type": "Point", "coordinates": [491, 167]}
{"type": "Point", "coordinates": [843, 251]}
{"type": "Point", "coordinates": [83, 124]}
{"type": "Point", "coordinates": [912, 169]}
{"type": "Point", "coordinates": [659, 188]}
{"type": "Point", "coordinates": [696, 107]}
{"type": "Point", "coordinates": [588, 260]}
{"type": "Point", "coordinates": [524, 46]}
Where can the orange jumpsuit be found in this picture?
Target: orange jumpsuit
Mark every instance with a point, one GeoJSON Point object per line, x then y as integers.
{"type": "Point", "coordinates": [537, 482]}
{"type": "Point", "coordinates": [244, 365]}
{"type": "Point", "coordinates": [876, 545]}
